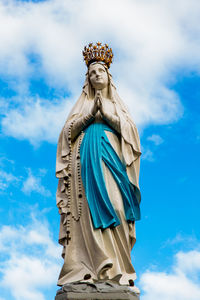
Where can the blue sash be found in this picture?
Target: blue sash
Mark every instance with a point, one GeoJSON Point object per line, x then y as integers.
{"type": "Point", "coordinates": [96, 148]}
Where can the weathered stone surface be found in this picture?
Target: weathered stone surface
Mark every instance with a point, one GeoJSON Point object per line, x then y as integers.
{"type": "Point", "coordinates": [97, 230]}
{"type": "Point", "coordinates": [96, 291]}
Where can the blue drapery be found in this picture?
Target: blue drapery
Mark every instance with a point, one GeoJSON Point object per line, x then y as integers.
{"type": "Point", "coordinates": [96, 148]}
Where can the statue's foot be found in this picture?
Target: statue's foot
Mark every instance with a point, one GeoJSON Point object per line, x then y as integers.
{"type": "Point", "coordinates": [131, 282]}
{"type": "Point", "coordinates": [87, 277]}
{"type": "Point", "coordinates": [134, 289]}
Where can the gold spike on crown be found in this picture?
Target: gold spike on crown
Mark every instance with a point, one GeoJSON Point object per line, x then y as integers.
{"type": "Point", "coordinates": [98, 52]}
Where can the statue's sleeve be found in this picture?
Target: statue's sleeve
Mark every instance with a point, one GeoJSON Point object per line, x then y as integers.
{"type": "Point", "coordinates": [71, 130]}
{"type": "Point", "coordinates": [113, 121]}
{"type": "Point", "coordinates": [77, 125]}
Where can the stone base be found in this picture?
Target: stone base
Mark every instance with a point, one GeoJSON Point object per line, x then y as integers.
{"type": "Point", "coordinates": [95, 291]}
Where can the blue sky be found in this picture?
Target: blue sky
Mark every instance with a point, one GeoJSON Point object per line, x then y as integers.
{"type": "Point", "coordinates": [156, 71]}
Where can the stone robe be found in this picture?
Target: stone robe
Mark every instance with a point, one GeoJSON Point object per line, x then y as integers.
{"type": "Point", "coordinates": [89, 253]}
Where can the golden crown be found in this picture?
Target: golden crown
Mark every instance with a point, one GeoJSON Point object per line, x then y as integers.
{"type": "Point", "coordinates": [98, 52]}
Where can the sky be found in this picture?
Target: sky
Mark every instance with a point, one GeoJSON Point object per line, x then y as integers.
{"type": "Point", "coordinates": [156, 46]}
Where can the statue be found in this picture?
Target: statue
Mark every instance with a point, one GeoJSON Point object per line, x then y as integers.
{"type": "Point", "coordinates": [98, 168]}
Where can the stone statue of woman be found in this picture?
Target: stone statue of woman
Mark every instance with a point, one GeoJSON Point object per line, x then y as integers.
{"type": "Point", "coordinates": [98, 168]}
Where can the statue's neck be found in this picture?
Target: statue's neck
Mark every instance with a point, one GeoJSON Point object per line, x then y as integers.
{"type": "Point", "coordinates": [104, 92]}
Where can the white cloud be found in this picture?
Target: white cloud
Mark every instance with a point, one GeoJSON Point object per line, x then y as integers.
{"type": "Point", "coordinates": [184, 240]}
{"type": "Point", "coordinates": [156, 139]}
{"type": "Point", "coordinates": [188, 263]}
{"type": "Point", "coordinates": [180, 282]}
{"type": "Point", "coordinates": [4, 160]}
{"type": "Point", "coordinates": [30, 260]}
{"type": "Point", "coordinates": [37, 121]}
{"type": "Point", "coordinates": [147, 154]}
{"type": "Point", "coordinates": [6, 179]}
{"type": "Point", "coordinates": [152, 41]}
{"type": "Point", "coordinates": [33, 184]}
{"type": "Point", "coordinates": [28, 184]}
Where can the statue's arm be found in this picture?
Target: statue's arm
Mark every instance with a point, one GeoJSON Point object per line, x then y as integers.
{"type": "Point", "coordinates": [80, 124]}
{"type": "Point", "coordinates": [112, 120]}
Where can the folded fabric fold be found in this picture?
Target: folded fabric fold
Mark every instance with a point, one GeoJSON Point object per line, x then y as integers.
{"type": "Point", "coordinates": [96, 149]}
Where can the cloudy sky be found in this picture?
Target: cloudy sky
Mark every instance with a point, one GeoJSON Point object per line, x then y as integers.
{"type": "Point", "coordinates": [156, 68]}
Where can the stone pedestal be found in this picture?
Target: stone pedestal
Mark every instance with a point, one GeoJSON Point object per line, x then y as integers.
{"type": "Point", "coordinates": [96, 291]}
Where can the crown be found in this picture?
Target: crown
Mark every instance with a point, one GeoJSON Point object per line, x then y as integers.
{"type": "Point", "coordinates": [98, 52]}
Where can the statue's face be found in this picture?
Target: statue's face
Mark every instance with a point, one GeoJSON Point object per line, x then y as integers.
{"type": "Point", "coordinates": [98, 76]}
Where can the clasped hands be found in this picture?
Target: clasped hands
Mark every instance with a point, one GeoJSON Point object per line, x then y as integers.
{"type": "Point", "coordinates": [98, 104]}
{"type": "Point", "coordinates": [111, 119]}
{"type": "Point", "coordinates": [84, 121]}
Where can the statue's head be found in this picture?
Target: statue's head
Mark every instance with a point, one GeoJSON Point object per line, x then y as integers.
{"type": "Point", "coordinates": [98, 76]}
{"type": "Point", "coordinates": [98, 59]}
